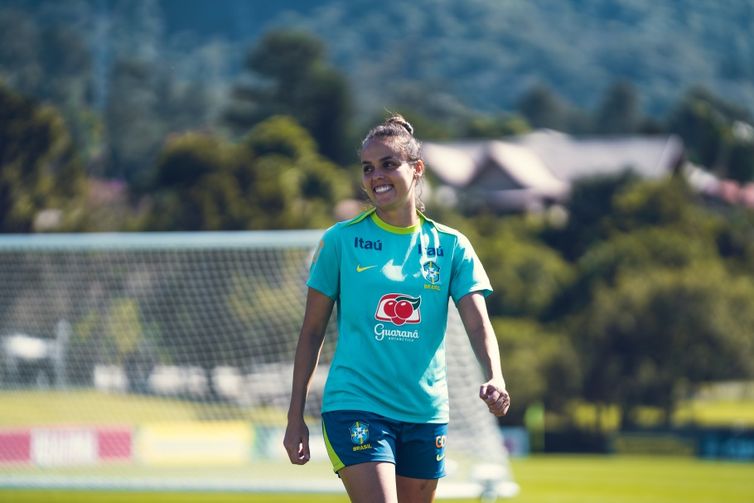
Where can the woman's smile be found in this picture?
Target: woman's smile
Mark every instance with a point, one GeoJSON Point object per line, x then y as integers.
{"type": "Point", "coordinates": [381, 189]}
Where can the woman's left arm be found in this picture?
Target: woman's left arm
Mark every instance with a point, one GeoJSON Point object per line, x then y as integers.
{"type": "Point", "coordinates": [473, 311]}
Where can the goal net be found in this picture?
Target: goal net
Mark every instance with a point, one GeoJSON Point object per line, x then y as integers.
{"type": "Point", "coordinates": [164, 361]}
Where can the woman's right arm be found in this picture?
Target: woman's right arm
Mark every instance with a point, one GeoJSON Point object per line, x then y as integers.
{"type": "Point", "coordinates": [318, 310]}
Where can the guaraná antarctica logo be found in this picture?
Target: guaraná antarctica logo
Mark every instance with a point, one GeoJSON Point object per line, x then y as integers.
{"type": "Point", "coordinates": [399, 308]}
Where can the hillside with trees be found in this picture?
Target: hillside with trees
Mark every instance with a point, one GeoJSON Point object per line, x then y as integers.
{"type": "Point", "coordinates": [479, 54]}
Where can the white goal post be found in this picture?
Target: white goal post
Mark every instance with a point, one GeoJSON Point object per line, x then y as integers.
{"type": "Point", "coordinates": [163, 361]}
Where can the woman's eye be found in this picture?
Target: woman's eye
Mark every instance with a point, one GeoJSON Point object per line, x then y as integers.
{"type": "Point", "coordinates": [390, 165]}
{"type": "Point", "coordinates": [368, 169]}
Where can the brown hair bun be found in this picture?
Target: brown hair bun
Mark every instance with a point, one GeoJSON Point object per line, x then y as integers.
{"type": "Point", "coordinates": [401, 121]}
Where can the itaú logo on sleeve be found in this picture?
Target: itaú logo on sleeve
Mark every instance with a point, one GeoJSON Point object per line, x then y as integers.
{"type": "Point", "coordinates": [399, 308]}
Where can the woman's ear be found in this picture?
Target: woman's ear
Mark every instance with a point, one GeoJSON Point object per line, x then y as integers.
{"type": "Point", "coordinates": [418, 169]}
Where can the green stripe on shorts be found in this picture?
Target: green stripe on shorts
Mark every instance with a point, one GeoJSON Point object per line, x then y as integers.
{"type": "Point", "coordinates": [337, 464]}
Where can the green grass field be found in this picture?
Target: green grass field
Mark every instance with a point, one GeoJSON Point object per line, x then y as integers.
{"type": "Point", "coordinates": [31, 408]}
{"type": "Point", "coordinates": [543, 479]}
{"type": "Point", "coordinates": [28, 408]}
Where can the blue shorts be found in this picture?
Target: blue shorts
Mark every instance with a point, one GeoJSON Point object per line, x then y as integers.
{"type": "Point", "coordinates": [416, 449]}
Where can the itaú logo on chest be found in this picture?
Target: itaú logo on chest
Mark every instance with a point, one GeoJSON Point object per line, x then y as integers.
{"type": "Point", "coordinates": [399, 308]}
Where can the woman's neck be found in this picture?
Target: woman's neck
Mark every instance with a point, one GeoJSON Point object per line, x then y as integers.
{"type": "Point", "coordinates": [401, 217]}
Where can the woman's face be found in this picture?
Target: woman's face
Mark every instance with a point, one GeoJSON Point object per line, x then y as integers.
{"type": "Point", "coordinates": [387, 177]}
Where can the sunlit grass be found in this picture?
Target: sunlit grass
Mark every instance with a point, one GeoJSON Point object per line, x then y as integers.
{"type": "Point", "coordinates": [33, 408]}
{"type": "Point", "coordinates": [703, 413]}
{"type": "Point", "coordinates": [631, 479]}
{"type": "Point", "coordinates": [543, 479]}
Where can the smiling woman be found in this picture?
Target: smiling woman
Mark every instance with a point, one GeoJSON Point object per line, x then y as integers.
{"type": "Point", "coordinates": [392, 170]}
{"type": "Point", "coordinates": [392, 272]}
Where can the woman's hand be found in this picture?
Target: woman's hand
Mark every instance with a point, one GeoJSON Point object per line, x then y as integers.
{"type": "Point", "coordinates": [496, 397]}
{"type": "Point", "coordinates": [296, 442]}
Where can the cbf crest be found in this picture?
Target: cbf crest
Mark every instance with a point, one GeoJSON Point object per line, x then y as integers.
{"type": "Point", "coordinates": [431, 272]}
{"type": "Point", "coordinates": [359, 433]}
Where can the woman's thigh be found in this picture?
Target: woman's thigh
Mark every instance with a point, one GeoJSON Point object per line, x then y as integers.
{"type": "Point", "coordinates": [416, 490]}
{"type": "Point", "coordinates": [372, 482]}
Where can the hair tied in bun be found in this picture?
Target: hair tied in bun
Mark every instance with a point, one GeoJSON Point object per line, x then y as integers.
{"type": "Point", "coordinates": [398, 119]}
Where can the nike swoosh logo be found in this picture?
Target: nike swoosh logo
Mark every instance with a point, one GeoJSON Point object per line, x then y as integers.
{"type": "Point", "coordinates": [362, 269]}
{"type": "Point", "coordinates": [440, 457]}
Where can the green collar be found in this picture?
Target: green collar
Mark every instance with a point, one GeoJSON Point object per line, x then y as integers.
{"type": "Point", "coordinates": [394, 228]}
{"type": "Point", "coordinates": [371, 212]}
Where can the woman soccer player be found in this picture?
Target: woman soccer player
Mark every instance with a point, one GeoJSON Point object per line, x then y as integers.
{"type": "Point", "coordinates": [391, 271]}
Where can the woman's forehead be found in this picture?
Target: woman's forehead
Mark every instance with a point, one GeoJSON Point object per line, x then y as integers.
{"type": "Point", "coordinates": [377, 148]}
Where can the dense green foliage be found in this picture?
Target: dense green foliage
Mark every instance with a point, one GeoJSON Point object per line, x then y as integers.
{"type": "Point", "coordinates": [486, 53]}
{"type": "Point", "coordinates": [40, 175]}
{"type": "Point", "coordinates": [293, 78]}
{"type": "Point", "coordinates": [648, 306]}
{"type": "Point", "coordinates": [126, 73]}
{"type": "Point", "coordinates": [273, 179]}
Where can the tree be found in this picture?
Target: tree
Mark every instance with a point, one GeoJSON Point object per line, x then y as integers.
{"type": "Point", "coordinates": [621, 223]}
{"type": "Point", "coordinates": [540, 362]}
{"type": "Point", "coordinates": [289, 185]}
{"type": "Point", "coordinates": [19, 45]}
{"type": "Point", "coordinates": [735, 241]}
{"type": "Point", "coordinates": [528, 274]}
{"type": "Point", "coordinates": [67, 62]}
{"type": "Point", "coordinates": [272, 179]}
{"type": "Point", "coordinates": [649, 248]}
{"type": "Point", "coordinates": [194, 187]}
{"type": "Point", "coordinates": [741, 161]}
{"type": "Point", "coordinates": [658, 333]}
{"type": "Point", "coordinates": [705, 123]}
{"type": "Point", "coordinates": [51, 61]}
{"type": "Point", "coordinates": [543, 109]}
{"type": "Point", "coordinates": [619, 111]}
{"type": "Point", "coordinates": [134, 129]}
{"type": "Point", "coordinates": [291, 77]}
{"type": "Point", "coordinates": [39, 168]}
{"type": "Point", "coordinates": [590, 209]}
{"type": "Point", "coordinates": [482, 126]}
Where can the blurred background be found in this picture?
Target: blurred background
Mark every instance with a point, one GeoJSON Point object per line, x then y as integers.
{"type": "Point", "coordinates": [599, 154]}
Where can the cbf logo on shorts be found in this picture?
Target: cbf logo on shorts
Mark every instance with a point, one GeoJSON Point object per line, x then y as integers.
{"type": "Point", "coordinates": [399, 308]}
{"type": "Point", "coordinates": [360, 436]}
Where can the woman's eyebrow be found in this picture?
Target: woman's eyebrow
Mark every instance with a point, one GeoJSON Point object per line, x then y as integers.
{"type": "Point", "coordinates": [386, 158]}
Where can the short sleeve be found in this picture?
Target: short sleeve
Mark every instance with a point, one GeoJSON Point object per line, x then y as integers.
{"type": "Point", "coordinates": [468, 273]}
{"type": "Point", "coordinates": [324, 274]}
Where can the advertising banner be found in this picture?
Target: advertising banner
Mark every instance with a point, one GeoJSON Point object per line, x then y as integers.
{"type": "Point", "coordinates": [194, 443]}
